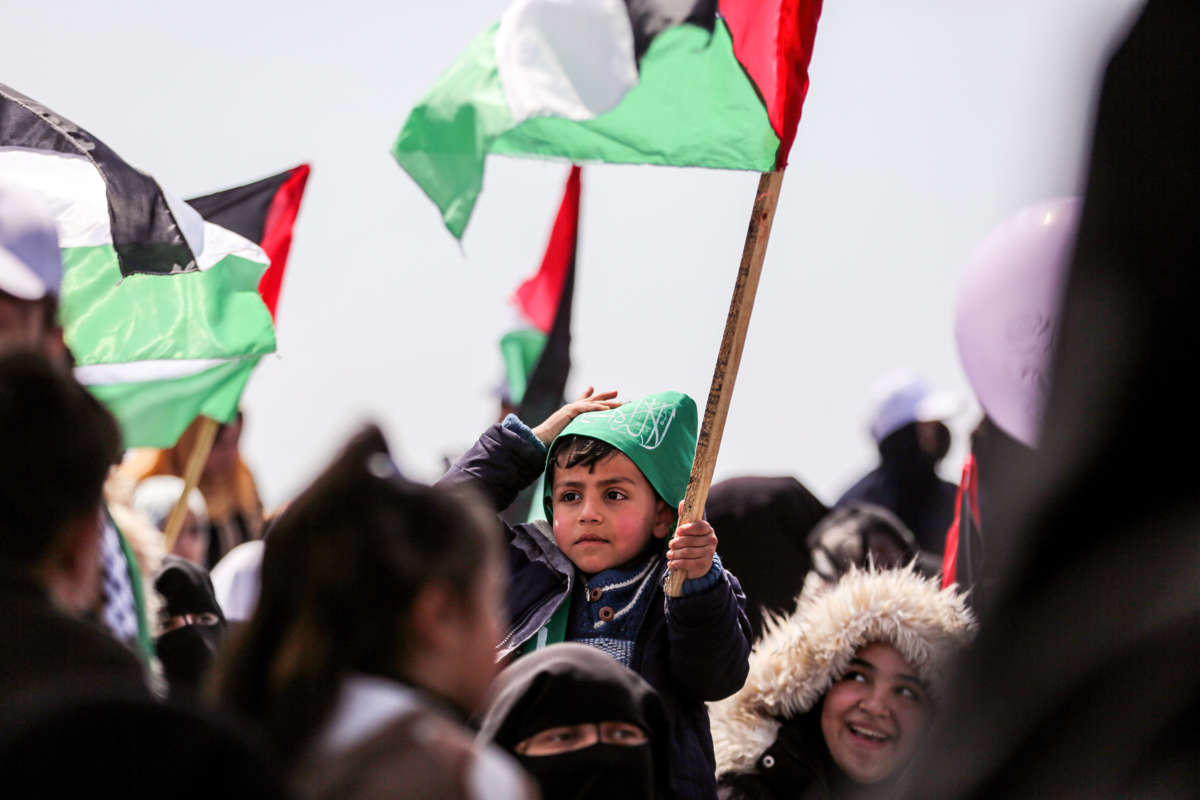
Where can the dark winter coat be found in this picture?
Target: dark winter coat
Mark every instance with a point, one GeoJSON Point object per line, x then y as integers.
{"type": "Point", "coordinates": [906, 484]}
{"type": "Point", "coordinates": [690, 649]}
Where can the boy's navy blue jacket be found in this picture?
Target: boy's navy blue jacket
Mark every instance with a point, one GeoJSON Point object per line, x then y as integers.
{"type": "Point", "coordinates": [690, 649]}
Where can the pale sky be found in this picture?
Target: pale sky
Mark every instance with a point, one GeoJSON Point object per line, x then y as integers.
{"type": "Point", "coordinates": [927, 123]}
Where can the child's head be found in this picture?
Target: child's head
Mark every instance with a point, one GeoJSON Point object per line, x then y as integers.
{"type": "Point", "coordinates": [614, 479]}
{"type": "Point", "coordinates": [369, 573]}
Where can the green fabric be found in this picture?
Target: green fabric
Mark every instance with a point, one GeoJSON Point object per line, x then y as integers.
{"type": "Point", "coordinates": [145, 637]}
{"type": "Point", "coordinates": [552, 632]}
{"type": "Point", "coordinates": [155, 413]}
{"type": "Point", "coordinates": [214, 313]}
{"type": "Point", "coordinates": [694, 106]}
{"type": "Point", "coordinates": [521, 350]}
{"type": "Point", "coordinates": [657, 432]}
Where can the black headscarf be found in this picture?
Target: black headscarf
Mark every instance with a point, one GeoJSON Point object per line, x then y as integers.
{"type": "Point", "coordinates": [763, 522]}
{"type": "Point", "coordinates": [572, 684]}
{"type": "Point", "coordinates": [194, 626]}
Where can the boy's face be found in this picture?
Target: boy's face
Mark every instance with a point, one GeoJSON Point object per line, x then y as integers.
{"type": "Point", "coordinates": [604, 515]}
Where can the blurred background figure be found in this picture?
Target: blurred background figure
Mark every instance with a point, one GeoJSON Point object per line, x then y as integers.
{"type": "Point", "coordinates": [1083, 682]}
{"type": "Point", "coordinates": [763, 524]}
{"type": "Point", "coordinates": [30, 275]}
{"type": "Point", "coordinates": [908, 426]}
{"type": "Point", "coordinates": [374, 637]}
{"type": "Point", "coordinates": [230, 494]}
{"type": "Point", "coordinates": [191, 627]}
{"type": "Point", "coordinates": [857, 536]}
{"type": "Point", "coordinates": [582, 724]}
{"type": "Point", "coordinates": [157, 495]}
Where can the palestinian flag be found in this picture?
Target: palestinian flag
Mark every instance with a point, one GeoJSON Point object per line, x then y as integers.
{"type": "Point", "coordinates": [537, 358]}
{"type": "Point", "coordinates": [537, 355]}
{"type": "Point", "coordinates": [637, 82]}
{"type": "Point", "coordinates": [263, 212]}
{"type": "Point", "coordinates": [160, 309]}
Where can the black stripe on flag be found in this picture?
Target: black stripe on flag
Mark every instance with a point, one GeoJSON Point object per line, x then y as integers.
{"type": "Point", "coordinates": [242, 209]}
{"type": "Point", "coordinates": [651, 17]}
{"type": "Point", "coordinates": [144, 231]}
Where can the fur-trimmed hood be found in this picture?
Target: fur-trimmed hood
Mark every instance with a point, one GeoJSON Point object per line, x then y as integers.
{"type": "Point", "coordinates": [799, 656]}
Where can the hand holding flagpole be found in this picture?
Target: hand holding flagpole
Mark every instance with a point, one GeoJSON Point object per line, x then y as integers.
{"type": "Point", "coordinates": [729, 358]}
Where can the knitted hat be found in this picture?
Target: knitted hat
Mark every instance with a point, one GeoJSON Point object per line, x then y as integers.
{"type": "Point", "coordinates": [657, 432]}
{"type": "Point", "coordinates": [800, 656]}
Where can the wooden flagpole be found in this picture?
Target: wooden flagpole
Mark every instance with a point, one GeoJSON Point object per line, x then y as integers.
{"type": "Point", "coordinates": [729, 357]}
{"type": "Point", "coordinates": [206, 434]}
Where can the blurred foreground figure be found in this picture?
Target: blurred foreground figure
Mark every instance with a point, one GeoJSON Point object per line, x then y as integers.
{"type": "Point", "coordinates": [1084, 682]}
{"type": "Point", "coordinates": [57, 444]}
{"type": "Point", "coordinates": [133, 749]}
{"type": "Point", "coordinates": [374, 636]}
{"type": "Point", "coordinates": [584, 725]}
{"type": "Point", "coordinates": [909, 428]}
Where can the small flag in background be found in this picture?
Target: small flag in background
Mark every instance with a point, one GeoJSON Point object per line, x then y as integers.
{"type": "Point", "coordinates": [160, 309]}
{"type": "Point", "coordinates": [545, 301]}
{"type": "Point", "coordinates": [537, 358]}
{"type": "Point", "coordinates": [265, 213]}
{"type": "Point", "coordinates": [596, 81]}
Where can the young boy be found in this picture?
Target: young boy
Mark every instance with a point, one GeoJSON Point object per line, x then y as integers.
{"type": "Point", "coordinates": [615, 475]}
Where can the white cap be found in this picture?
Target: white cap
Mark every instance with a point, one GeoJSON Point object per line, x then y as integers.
{"type": "Point", "coordinates": [30, 261]}
{"type": "Point", "coordinates": [901, 397]}
{"type": "Point", "coordinates": [237, 579]}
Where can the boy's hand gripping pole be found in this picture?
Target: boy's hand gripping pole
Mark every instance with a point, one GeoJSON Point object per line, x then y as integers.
{"type": "Point", "coordinates": [729, 357]}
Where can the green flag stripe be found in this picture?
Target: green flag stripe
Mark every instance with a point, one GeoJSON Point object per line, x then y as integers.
{"type": "Point", "coordinates": [155, 413]}
{"type": "Point", "coordinates": [694, 106]}
{"type": "Point", "coordinates": [521, 350]}
{"type": "Point", "coordinates": [216, 313]}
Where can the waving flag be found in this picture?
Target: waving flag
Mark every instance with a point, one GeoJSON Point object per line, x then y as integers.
{"type": "Point", "coordinates": [591, 80]}
{"type": "Point", "coordinates": [160, 309]}
{"type": "Point", "coordinates": [263, 212]}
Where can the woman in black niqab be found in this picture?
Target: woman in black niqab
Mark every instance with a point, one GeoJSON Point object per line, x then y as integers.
{"type": "Point", "coordinates": [567, 685]}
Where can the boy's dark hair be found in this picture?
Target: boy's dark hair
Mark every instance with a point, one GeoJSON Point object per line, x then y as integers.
{"type": "Point", "coordinates": [342, 567]}
{"type": "Point", "coordinates": [573, 450]}
{"type": "Point", "coordinates": [57, 444]}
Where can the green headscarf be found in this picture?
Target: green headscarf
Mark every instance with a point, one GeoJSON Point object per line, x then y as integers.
{"type": "Point", "coordinates": [657, 432]}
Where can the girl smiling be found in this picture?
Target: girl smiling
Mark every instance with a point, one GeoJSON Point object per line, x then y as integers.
{"type": "Point", "coordinates": [841, 692]}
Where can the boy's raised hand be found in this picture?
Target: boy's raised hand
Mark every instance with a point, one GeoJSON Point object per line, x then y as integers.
{"type": "Point", "coordinates": [588, 401]}
{"type": "Point", "coordinates": [692, 548]}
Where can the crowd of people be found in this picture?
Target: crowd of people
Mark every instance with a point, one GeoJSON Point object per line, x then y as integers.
{"type": "Point", "coordinates": [379, 637]}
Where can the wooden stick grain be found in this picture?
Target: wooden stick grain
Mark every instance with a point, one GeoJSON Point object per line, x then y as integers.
{"type": "Point", "coordinates": [729, 358]}
{"type": "Point", "coordinates": [206, 434]}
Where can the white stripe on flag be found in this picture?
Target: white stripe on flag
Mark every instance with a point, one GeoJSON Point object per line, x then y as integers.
{"type": "Point", "coordinates": [145, 371]}
{"type": "Point", "coordinates": [73, 189]}
{"type": "Point", "coordinates": [564, 58]}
